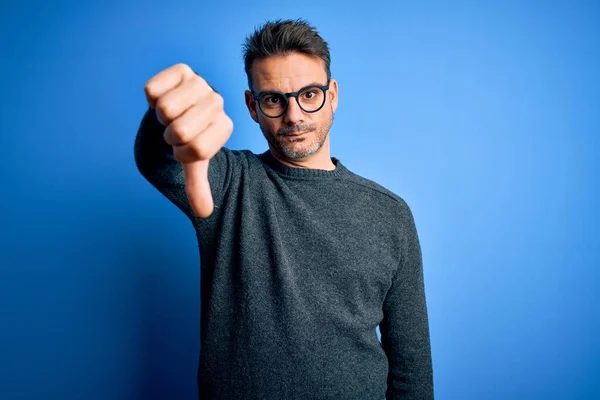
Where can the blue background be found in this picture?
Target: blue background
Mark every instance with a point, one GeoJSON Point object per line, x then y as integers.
{"type": "Point", "coordinates": [484, 118]}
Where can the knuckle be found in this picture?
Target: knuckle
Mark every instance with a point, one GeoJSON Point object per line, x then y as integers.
{"type": "Point", "coordinates": [197, 86]}
{"type": "Point", "coordinates": [198, 80]}
{"type": "Point", "coordinates": [228, 124]}
{"type": "Point", "coordinates": [181, 131]}
{"type": "Point", "coordinates": [182, 68]}
{"type": "Point", "coordinates": [165, 108]}
{"type": "Point", "coordinates": [150, 89]}
{"type": "Point", "coordinates": [201, 152]}
{"type": "Point", "coordinates": [218, 100]}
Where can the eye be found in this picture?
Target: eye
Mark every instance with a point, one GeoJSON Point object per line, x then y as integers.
{"type": "Point", "coordinates": [272, 100]}
{"type": "Point", "coordinates": [309, 94]}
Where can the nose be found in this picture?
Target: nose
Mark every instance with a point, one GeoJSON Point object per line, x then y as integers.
{"type": "Point", "coordinates": [294, 113]}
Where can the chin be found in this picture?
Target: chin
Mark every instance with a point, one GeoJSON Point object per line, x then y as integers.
{"type": "Point", "coordinates": [297, 149]}
{"type": "Point", "coordinates": [301, 151]}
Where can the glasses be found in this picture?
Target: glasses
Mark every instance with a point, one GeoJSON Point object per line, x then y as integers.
{"type": "Point", "coordinates": [274, 104]}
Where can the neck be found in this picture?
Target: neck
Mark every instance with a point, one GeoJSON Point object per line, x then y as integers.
{"type": "Point", "coordinates": [319, 160]}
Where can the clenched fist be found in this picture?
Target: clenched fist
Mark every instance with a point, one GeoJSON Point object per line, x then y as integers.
{"type": "Point", "coordinates": [195, 125]}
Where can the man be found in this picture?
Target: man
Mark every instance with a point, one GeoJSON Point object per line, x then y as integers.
{"type": "Point", "coordinates": [301, 259]}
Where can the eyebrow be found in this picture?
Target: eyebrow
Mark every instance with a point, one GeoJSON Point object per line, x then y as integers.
{"type": "Point", "coordinates": [314, 83]}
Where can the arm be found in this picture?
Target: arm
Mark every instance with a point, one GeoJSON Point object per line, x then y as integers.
{"type": "Point", "coordinates": [405, 327]}
{"type": "Point", "coordinates": [196, 128]}
{"type": "Point", "coordinates": [155, 161]}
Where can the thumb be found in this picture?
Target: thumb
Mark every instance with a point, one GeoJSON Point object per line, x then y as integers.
{"type": "Point", "coordinates": [197, 188]}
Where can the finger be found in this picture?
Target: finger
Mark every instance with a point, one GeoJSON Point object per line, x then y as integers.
{"type": "Point", "coordinates": [197, 188]}
{"type": "Point", "coordinates": [172, 104]}
{"type": "Point", "coordinates": [165, 80]}
{"type": "Point", "coordinates": [205, 145]}
{"type": "Point", "coordinates": [194, 120]}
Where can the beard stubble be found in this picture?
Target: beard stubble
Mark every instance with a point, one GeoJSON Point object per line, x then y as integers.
{"type": "Point", "coordinates": [290, 149]}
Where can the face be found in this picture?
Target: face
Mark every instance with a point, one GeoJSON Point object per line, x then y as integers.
{"type": "Point", "coordinates": [296, 134]}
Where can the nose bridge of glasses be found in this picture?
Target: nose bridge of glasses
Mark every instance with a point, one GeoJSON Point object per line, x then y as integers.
{"type": "Point", "coordinates": [289, 96]}
{"type": "Point", "coordinates": [293, 107]}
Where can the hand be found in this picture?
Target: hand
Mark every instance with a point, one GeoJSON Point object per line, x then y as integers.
{"type": "Point", "coordinates": [195, 125]}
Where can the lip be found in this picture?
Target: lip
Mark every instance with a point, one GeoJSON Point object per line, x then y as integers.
{"type": "Point", "coordinates": [297, 134]}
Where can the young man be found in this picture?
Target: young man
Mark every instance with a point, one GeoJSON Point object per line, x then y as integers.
{"type": "Point", "coordinates": [301, 259]}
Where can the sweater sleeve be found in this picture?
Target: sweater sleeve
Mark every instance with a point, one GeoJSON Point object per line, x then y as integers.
{"type": "Point", "coordinates": [155, 161]}
{"type": "Point", "coordinates": [405, 327]}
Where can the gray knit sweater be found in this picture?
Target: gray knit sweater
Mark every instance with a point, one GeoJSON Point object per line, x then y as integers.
{"type": "Point", "coordinates": [298, 268]}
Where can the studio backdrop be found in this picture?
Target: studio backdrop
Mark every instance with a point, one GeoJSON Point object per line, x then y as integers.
{"type": "Point", "coordinates": [482, 117]}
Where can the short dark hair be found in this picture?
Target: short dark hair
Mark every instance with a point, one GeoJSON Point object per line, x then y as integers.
{"type": "Point", "coordinates": [282, 37]}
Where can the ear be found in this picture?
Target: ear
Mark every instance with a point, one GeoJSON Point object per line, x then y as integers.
{"type": "Point", "coordinates": [333, 94]}
{"type": "Point", "coordinates": [251, 104]}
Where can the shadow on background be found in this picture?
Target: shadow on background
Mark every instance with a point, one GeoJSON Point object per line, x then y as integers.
{"type": "Point", "coordinates": [166, 285]}
{"type": "Point", "coordinates": [101, 294]}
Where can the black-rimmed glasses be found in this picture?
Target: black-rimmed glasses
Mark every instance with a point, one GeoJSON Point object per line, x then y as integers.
{"type": "Point", "coordinates": [274, 104]}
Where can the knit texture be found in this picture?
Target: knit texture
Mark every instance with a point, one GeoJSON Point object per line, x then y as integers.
{"type": "Point", "coordinates": [298, 268]}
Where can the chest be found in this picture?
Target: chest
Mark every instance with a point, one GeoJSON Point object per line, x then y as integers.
{"type": "Point", "coordinates": [320, 255]}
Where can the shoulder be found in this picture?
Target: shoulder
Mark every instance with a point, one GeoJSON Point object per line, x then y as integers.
{"type": "Point", "coordinates": [377, 189]}
{"type": "Point", "coordinates": [234, 158]}
{"type": "Point", "coordinates": [385, 205]}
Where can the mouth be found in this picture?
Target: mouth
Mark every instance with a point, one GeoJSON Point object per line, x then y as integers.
{"type": "Point", "coordinates": [297, 134]}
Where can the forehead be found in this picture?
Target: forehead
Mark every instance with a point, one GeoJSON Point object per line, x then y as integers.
{"type": "Point", "coordinates": [287, 73]}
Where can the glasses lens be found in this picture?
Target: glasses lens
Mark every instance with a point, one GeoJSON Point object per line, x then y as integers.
{"type": "Point", "coordinates": [311, 99]}
{"type": "Point", "coordinates": [273, 104]}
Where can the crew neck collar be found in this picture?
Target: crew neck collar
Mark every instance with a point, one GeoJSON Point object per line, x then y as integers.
{"type": "Point", "coordinates": [305, 173]}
